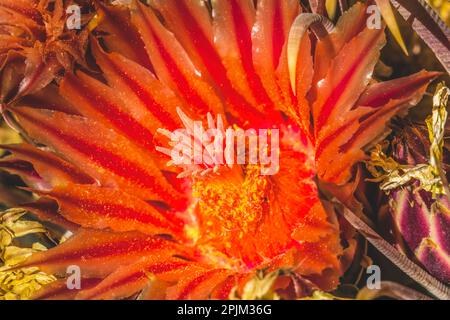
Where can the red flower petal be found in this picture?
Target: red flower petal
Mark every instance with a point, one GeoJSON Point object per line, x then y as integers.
{"type": "Point", "coordinates": [99, 208]}
{"type": "Point", "coordinates": [172, 64]}
{"type": "Point", "coordinates": [98, 253]}
{"type": "Point", "coordinates": [51, 168]}
{"type": "Point", "coordinates": [105, 155]}
{"type": "Point", "coordinates": [126, 281]}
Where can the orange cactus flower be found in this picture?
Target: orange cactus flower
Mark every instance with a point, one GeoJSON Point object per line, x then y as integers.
{"type": "Point", "coordinates": [137, 226]}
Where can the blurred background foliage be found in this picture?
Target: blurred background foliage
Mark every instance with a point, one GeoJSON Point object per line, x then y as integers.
{"type": "Point", "coordinates": [443, 7]}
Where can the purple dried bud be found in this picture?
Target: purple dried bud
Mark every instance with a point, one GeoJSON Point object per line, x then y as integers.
{"type": "Point", "coordinates": [421, 221]}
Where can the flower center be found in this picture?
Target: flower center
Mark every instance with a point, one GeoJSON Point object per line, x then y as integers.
{"type": "Point", "coordinates": [229, 209]}
{"type": "Point", "coordinates": [233, 202]}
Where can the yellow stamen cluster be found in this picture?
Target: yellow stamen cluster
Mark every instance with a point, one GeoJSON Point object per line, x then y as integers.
{"type": "Point", "coordinates": [232, 203]}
